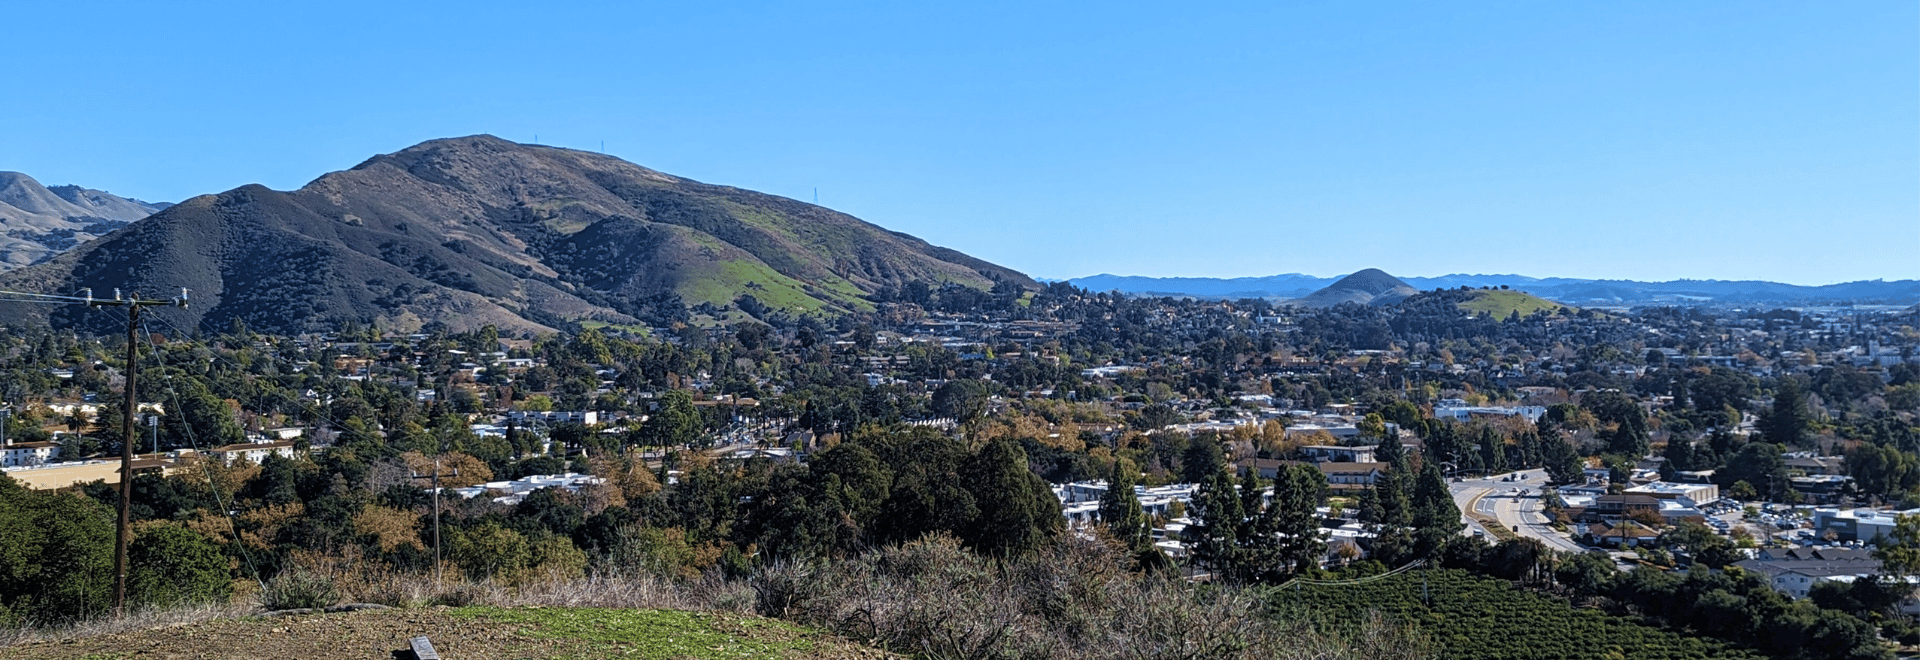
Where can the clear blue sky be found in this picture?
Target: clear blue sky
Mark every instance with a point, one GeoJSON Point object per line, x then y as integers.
{"type": "Point", "coordinates": [1650, 140]}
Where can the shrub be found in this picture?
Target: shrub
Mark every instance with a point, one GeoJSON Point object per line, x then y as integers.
{"type": "Point", "coordinates": [299, 588]}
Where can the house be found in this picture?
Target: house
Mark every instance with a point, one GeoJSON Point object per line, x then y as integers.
{"type": "Point", "coordinates": [254, 452]}
{"type": "Point", "coordinates": [1352, 476]}
{"type": "Point", "coordinates": [513, 492]}
{"type": "Point", "coordinates": [1821, 488]}
{"type": "Point", "coordinates": [1693, 476]}
{"type": "Point", "coordinates": [1267, 468]}
{"type": "Point", "coordinates": [1625, 534]}
{"type": "Point", "coordinates": [1463, 413]}
{"type": "Point", "coordinates": [588, 417]}
{"type": "Point", "coordinates": [1807, 463]}
{"type": "Point", "coordinates": [1337, 453]}
{"type": "Point", "coordinates": [1795, 571]}
{"type": "Point", "coordinates": [28, 453]}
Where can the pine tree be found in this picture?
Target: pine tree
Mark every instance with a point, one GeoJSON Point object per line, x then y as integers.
{"type": "Point", "coordinates": [1216, 514]}
{"type": "Point", "coordinates": [1121, 512]}
{"type": "Point", "coordinates": [1203, 457]}
{"type": "Point", "coordinates": [1436, 520]}
{"type": "Point", "coordinates": [1293, 519]}
{"type": "Point", "coordinates": [1786, 424]}
{"type": "Point", "coordinates": [1018, 513]}
{"type": "Point", "coordinates": [1562, 462]}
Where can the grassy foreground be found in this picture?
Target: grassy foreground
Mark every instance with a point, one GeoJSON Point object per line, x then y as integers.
{"type": "Point", "coordinates": [469, 633]}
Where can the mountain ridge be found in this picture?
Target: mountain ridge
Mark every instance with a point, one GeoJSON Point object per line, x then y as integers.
{"type": "Point", "coordinates": [1565, 290]}
{"type": "Point", "coordinates": [39, 221]}
{"type": "Point", "coordinates": [468, 231]}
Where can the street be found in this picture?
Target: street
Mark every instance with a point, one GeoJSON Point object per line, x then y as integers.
{"type": "Point", "coordinates": [1494, 497]}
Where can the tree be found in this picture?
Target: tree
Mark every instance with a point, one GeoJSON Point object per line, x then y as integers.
{"type": "Point", "coordinates": [1900, 555]}
{"type": "Point", "coordinates": [1436, 519]}
{"type": "Point", "coordinates": [962, 399]}
{"type": "Point", "coordinates": [1708, 548]}
{"type": "Point", "coordinates": [1373, 426]}
{"type": "Point", "coordinates": [56, 554]}
{"type": "Point", "coordinates": [1761, 466]}
{"type": "Point", "coordinates": [1587, 574]}
{"type": "Point", "coordinates": [863, 482]}
{"type": "Point", "coordinates": [1204, 457]}
{"type": "Point", "coordinates": [675, 422]}
{"type": "Point", "coordinates": [1786, 424]}
{"type": "Point", "coordinates": [171, 564]}
{"type": "Point", "coordinates": [1627, 432]}
{"type": "Point", "coordinates": [1018, 513]}
{"type": "Point", "coordinates": [489, 550]}
{"type": "Point", "coordinates": [1679, 456]}
{"type": "Point", "coordinates": [1121, 512]}
{"type": "Point", "coordinates": [1216, 514]}
{"type": "Point", "coordinates": [1562, 462]}
{"type": "Point", "coordinates": [1882, 471]}
{"type": "Point", "coordinates": [1292, 519]}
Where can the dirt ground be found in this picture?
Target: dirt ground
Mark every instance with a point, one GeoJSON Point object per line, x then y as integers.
{"type": "Point", "coordinates": [379, 634]}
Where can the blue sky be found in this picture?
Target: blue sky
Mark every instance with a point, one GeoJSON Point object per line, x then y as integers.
{"type": "Point", "coordinates": [1652, 140]}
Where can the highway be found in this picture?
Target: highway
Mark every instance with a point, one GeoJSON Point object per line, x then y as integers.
{"type": "Point", "coordinates": [1524, 514]}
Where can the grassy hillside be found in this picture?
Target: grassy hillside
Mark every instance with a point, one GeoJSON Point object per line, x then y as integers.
{"type": "Point", "coordinates": [470, 633]}
{"type": "Point", "coordinates": [1502, 304]}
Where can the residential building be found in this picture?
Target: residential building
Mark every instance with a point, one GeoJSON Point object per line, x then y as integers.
{"type": "Point", "coordinates": [254, 452]}
{"type": "Point", "coordinates": [1337, 453]}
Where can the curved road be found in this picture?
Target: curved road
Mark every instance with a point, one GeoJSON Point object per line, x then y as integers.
{"type": "Point", "coordinates": [1524, 515]}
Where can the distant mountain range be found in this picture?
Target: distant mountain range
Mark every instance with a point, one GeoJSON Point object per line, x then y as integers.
{"type": "Point", "coordinates": [470, 231]}
{"type": "Point", "coordinates": [38, 222]}
{"type": "Point", "coordinates": [1571, 291]}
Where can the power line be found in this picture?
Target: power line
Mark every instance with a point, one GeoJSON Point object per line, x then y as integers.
{"type": "Point", "coordinates": [212, 487]}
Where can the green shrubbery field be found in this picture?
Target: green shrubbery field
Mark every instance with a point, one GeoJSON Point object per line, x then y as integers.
{"type": "Point", "coordinates": [1489, 619]}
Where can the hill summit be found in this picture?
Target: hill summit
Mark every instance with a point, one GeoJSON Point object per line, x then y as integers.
{"type": "Point", "coordinates": [1368, 287]}
{"type": "Point", "coordinates": [38, 222]}
{"type": "Point", "coordinates": [463, 232]}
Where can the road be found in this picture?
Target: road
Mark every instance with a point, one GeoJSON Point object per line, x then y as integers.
{"type": "Point", "coordinates": [1523, 514]}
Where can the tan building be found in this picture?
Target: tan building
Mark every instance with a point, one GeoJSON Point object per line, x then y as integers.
{"type": "Point", "coordinates": [62, 475]}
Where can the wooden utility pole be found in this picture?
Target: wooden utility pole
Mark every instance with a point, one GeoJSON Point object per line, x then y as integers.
{"type": "Point", "coordinates": [437, 577]}
{"type": "Point", "coordinates": [128, 430]}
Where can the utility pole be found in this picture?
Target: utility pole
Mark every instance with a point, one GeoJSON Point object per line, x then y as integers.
{"type": "Point", "coordinates": [437, 577]}
{"type": "Point", "coordinates": [129, 433]}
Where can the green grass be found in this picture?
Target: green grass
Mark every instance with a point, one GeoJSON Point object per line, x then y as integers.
{"type": "Point", "coordinates": [639, 330]}
{"type": "Point", "coordinates": [1502, 304]}
{"type": "Point", "coordinates": [655, 634]}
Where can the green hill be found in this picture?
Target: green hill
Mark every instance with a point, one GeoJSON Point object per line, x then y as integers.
{"type": "Point", "coordinates": [1503, 303]}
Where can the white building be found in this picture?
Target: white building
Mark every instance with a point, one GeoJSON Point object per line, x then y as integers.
{"type": "Point", "coordinates": [587, 417]}
{"type": "Point", "coordinates": [1691, 494]}
{"type": "Point", "coordinates": [28, 453]}
{"type": "Point", "coordinates": [254, 452]}
{"type": "Point", "coordinates": [512, 492]}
